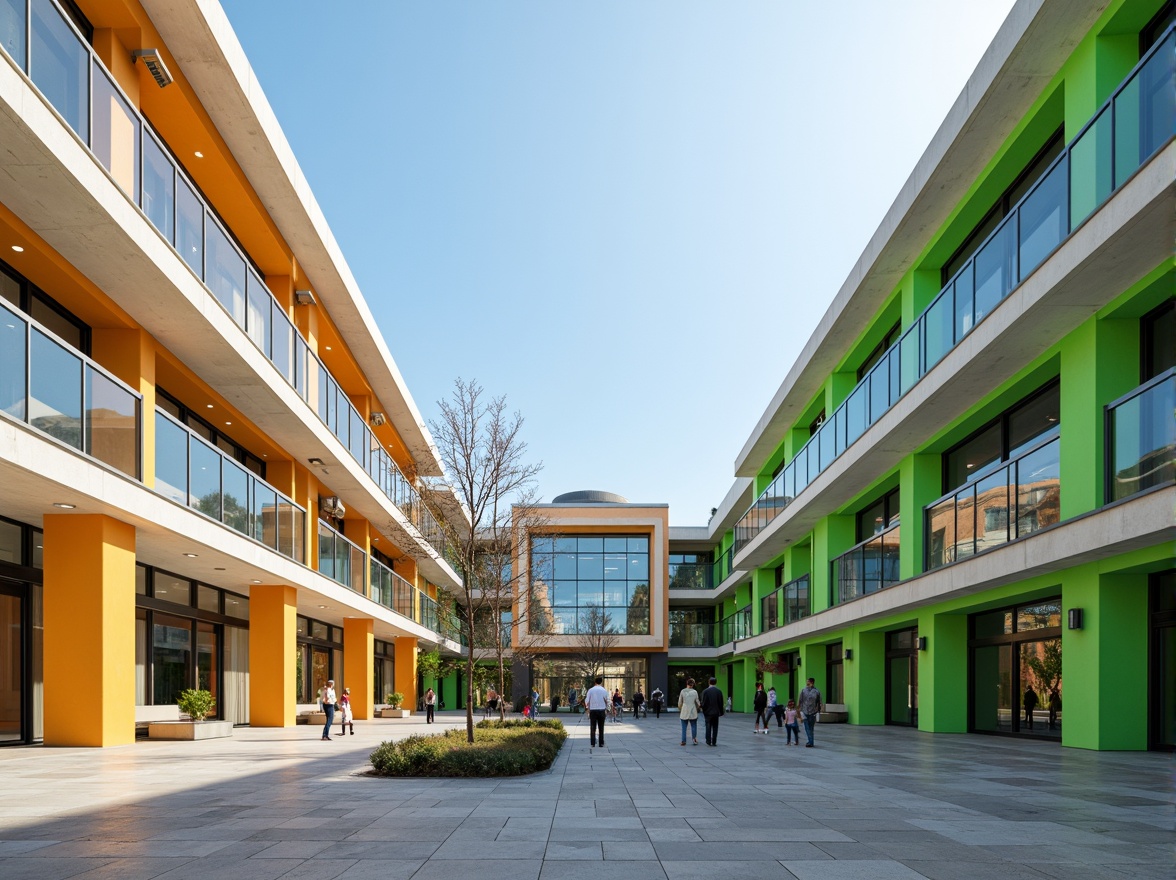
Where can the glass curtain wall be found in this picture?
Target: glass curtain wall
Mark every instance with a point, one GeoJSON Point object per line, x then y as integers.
{"type": "Point", "coordinates": [581, 583]}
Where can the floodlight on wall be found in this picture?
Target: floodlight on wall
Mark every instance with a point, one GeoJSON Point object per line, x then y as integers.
{"type": "Point", "coordinates": [304, 298]}
{"type": "Point", "coordinates": [1074, 618]}
{"type": "Point", "coordinates": [922, 643]}
{"type": "Point", "coordinates": [377, 419]}
{"type": "Point", "coordinates": [848, 655]}
{"type": "Point", "coordinates": [155, 66]}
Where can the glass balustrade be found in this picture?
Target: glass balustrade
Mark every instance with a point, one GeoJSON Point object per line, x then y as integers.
{"type": "Point", "coordinates": [866, 568]}
{"type": "Point", "coordinates": [391, 590]}
{"type": "Point", "coordinates": [1137, 120]}
{"type": "Point", "coordinates": [75, 82]}
{"type": "Point", "coordinates": [61, 392]}
{"type": "Point", "coordinates": [735, 626]}
{"type": "Point", "coordinates": [721, 568]}
{"type": "Point", "coordinates": [794, 600]}
{"type": "Point", "coordinates": [692, 635]}
{"type": "Point", "coordinates": [341, 560]}
{"type": "Point", "coordinates": [192, 472]}
{"type": "Point", "coordinates": [1141, 432]}
{"type": "Point", "coordinates": [1006, 502]}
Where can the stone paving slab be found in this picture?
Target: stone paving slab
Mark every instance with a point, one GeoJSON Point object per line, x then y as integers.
{"type": "Point", "coordinates": [879, 803]}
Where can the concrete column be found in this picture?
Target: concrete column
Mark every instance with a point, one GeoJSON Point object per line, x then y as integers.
{"type": "Point", "coordinates": [272, 651]}
{"type": "Point", "coordinates": [89, 631]}
{"type": "Point", "coordinates": [359, 645]}
{"type": "Point", "coordinates": [943, 673]}
{"type": "Point", "coordinates": [1104, 693]}
{"type": "Point", "coordinates": [406, 669]}
{"type": "Point", "coordinates": [867, 671]}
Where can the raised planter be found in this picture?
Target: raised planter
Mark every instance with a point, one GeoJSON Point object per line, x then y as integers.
{"type": "Point", "coordinates": [835, 713]}
{"type": "Point", "coordinates": [189, 730]}
{"type": "Point", "coordinates": [395, 713]}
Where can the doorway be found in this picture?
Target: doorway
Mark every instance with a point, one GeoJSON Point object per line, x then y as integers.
{"type": "Point", "coordinates": [1015, 670]}
{"type": "Point", "coordinates": [902, 677]}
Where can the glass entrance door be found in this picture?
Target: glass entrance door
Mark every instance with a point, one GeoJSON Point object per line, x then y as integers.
{"type": "Point", "coordinates": [902, 677]}
{"type": "Point", "coordinates": [208, 664]}
{"type": "Point", "coordinates": [12, 672]}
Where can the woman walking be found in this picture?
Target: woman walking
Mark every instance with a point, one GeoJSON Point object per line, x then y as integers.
{"type": "Point", "coordinates": [346, 719]}
{"type": "Point", "coordinates": [688, 711]}
{"type": "Point", "coordinates": [430, 705]}
{"type": "Point", "coordinates": [760, 704]}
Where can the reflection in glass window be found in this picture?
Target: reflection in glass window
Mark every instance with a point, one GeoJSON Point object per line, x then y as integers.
{"type": "Point", "coordinates": [170, 588]}
{"type": "Point", "coordinates": [60, 66]}
{"type": "Point", "coordinates": [171, 658]}
{"type": "Point", "coordinates": [576, 580]}
{"type": "Point", "coordinates": [1043, 616]}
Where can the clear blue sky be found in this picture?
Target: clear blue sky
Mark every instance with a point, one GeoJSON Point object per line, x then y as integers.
{"type": "Point", "coordinates": [626, 217]}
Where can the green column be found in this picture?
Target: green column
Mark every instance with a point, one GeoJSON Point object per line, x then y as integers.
{"type": "Point", "coordinates": [920, 483]}
{"type": "Point", "coordinates": [943, 673]}
{"type": "Point", "coordinates": [1100, 362]}
{"type": "Point", "coordinates": [832, 536]}
{"type": "Point", "coordinates": [865, 679]}
{"type": "Point", "coordinates": [1104, 678]}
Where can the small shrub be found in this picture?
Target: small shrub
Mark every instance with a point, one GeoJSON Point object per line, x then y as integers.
{"type": "Point", "coordinates": [197, 705]}
{"type": "Point", "coordinates": [512, 748]}
{"type": "Point", "coordinates": [394, 699]}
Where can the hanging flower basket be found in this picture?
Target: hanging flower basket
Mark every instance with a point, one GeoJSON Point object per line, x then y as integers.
{"type": "Point", "coordinates": [765, 663]}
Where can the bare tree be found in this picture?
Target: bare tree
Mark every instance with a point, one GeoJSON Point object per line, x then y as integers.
{"type": "Point", "coordinates": [481, 446]}
{"type": "Point", "coordinates": [594, 642]}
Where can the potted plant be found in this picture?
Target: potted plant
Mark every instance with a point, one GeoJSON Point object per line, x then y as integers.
{"type": "Point", "coordinates": [197, 705]}
{"type": "Point", "coordinates": [393, 710]}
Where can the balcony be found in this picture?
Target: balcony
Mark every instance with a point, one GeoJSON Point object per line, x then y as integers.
{"type": "Point", "coordinates": [1141, 438]}
{"type": "Point", "coordinates": [735, 626]}
{"type": "Point", "coordinates": [42, 41]}
{"type": "Point", "coordinates": [341, 560]}
{"type": "Point", "coordinates": [62, 393]}
{"type": "Point", "coordinates": [1133, 124]}
{"type": "Point", "coordinates": [692, 635]}
{"type": "Point", "coordinates": [1009, 501]}
{"type": "Point", "coordinates": [792, 603]}
{"type": "Point", "coordinates": [722, 567]}
{"type": "Point", "coordinates": [191, 471]}
{"type": "Point", "coordinates": [866, 568]}
{"type": "Point", "coordinates": [391, 590]}
{"type": "Point", "coordinates": [691, 576]}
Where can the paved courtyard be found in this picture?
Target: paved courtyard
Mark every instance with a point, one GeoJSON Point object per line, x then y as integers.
{"type": "Point", "coordinates": [875, 803]}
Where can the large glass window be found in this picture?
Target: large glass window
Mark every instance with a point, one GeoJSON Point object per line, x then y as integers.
{"type": "Point", "coordinates": [171, 658]}
{"type": "Point", "coordinates": [1158, 332]}
{"type": "Point", "coordinates": [688, 571]}
{"type": "Point", "coordinates": [1015, 674]}
{"type": "Point", "coordinates": [580, 583]}
{"type": "Point", "coordinates": [1018, 428]}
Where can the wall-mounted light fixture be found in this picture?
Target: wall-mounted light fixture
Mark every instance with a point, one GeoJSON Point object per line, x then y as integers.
{"type": "Point", "coordinates": [848, 655]}
{"type": "Point", "coordinates": [798, 661]}
{"type": "Point", "coordinates": [155, 66]}
{"type": "Point", "coordinates": [377, 419]}
{"type": "Point", "coordinates": [304, 298]}
{"type": "Point", "coordinates": [922, 643]}
{"type": "Point", "coordinates": [1074, 618]}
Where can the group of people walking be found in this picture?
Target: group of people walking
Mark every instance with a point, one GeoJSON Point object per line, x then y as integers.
{"type": "Point", "coordinates": [710, 704]}
{"type": "Point", "coordinates": [336, 703]}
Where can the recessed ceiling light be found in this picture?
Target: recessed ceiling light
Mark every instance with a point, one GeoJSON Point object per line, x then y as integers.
{"type": "Point", "coordinates": [255, 582]}
{"type": "Point", "coordinates": [328, 348]}
{"type": "Point", "coordinates": [191, 555]}
{"type": "Point", "coordinates": [18, 248]}
{"type": "Point", "coordinates": [63, 505]}
{"type": "Point", "coordinates": [265, 455]}
{"type": "Point", "coordinates": [208, 405]}
{"type": "Point", "coordinates": [199, 155]}
{"type": "Point", "coordinates": [228, 423]}
{"type": "Point", "coordinates": [322, 606]}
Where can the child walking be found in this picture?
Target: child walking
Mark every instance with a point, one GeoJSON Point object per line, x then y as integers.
{"type": "Point", "coordinates": [791, 725]}
{"type": "Point", "coordinates": [346, 718]}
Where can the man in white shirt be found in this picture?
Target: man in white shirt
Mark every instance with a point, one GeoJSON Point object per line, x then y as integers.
{"type": "Point", "coordinates": [597, 702]}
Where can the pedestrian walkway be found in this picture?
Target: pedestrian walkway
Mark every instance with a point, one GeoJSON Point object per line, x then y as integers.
{"type": "Point", "coordinates": [867, 802]}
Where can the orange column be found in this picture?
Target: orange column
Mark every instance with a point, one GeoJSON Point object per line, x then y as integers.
{"type": "Point", "coordinates": [272, 655]}
{"type": "Point", "coordinates": [89, 653]}
{"type": "Point", "coordinates": [359, 646]}
{"type": "Point", "coordinates": [405, 672]}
